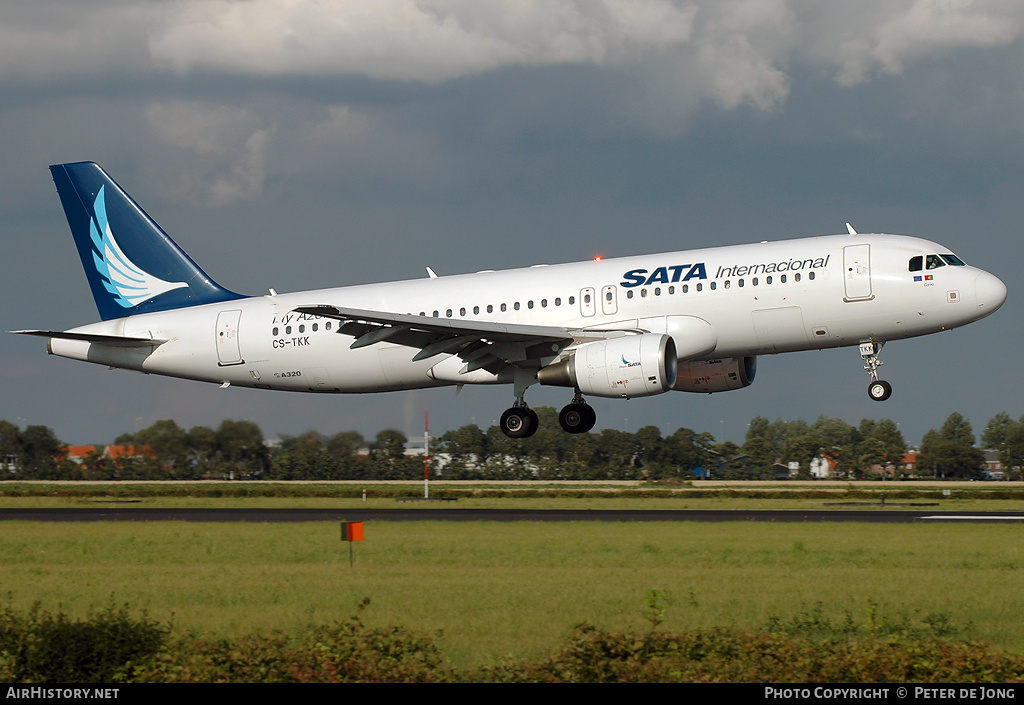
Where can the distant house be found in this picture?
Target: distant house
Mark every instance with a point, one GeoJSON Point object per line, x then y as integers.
{"type": "Point", "coordinates": [823, 467]}
{"type": "Point", "coordinates": [117, 453]}
{"type": "Point", "coordinates": [909, 461]}
{"type": "Point", "coordinates": [77, 454]}
{"type": "Point", "coordinates": [993, 466]}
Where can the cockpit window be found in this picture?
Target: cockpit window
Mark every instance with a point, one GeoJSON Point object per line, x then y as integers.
{"type": "Point", "coordinates": [934, 262]}
{"type": "Point", "coordinates": [953, 260]}
{"type": "Point", "coordinates": [916, 263]}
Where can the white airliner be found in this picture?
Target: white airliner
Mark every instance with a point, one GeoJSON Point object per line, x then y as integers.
{"type": "Point", "coordinates": [637, 326]}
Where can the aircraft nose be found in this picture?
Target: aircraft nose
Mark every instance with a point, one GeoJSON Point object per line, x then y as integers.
{"type": "Point", "coordinates": [990, 292]}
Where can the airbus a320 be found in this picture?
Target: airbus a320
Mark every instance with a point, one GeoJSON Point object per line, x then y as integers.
{"type": "Point", "coordinates": [691, 321]}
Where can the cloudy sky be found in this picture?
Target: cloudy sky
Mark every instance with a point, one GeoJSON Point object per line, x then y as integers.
{"type": "Point", "coordinates": [297, 144]}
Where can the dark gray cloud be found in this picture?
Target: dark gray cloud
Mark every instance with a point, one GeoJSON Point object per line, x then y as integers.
{"type": "Point", "coordinates": [285, 145]}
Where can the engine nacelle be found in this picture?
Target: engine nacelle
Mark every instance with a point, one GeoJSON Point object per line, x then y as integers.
{"type": "Point", "coordinates": [630, 366]}
{"type": "Point", "coordinates": [710, 376]}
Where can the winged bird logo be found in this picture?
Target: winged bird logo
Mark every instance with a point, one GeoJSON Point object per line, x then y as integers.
{"type": "Point", "coordinates": [129, 284]}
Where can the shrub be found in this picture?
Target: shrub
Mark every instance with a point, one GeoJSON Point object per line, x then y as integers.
{"type": "Point", "coordinates": [41, 647]}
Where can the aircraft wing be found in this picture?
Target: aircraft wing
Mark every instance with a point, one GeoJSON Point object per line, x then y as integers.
{"type": "Point", "coordinates": [480, 344]}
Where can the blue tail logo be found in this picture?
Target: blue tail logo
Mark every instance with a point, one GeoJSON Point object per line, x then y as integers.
{"type": "Point", "coordinates": [129, 284]}
{"type": "Point", "coordinates": [132, 265]}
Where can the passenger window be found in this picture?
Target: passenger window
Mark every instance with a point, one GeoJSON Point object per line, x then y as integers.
{"type": "Point", "coordinates": [572, 300]}
{"type": "Point", "coordinates": [275, 330]}
{"type": "Point", "coordinates": [503, 308]}
{"type": "Point", "coordinates": [714, 285]}
{"type": "Point", "coordinates": [314, 327]}
{"type": "Point", "coordinates": [558, 301]}
{"type": "Point", "coordinates": [916, 263]}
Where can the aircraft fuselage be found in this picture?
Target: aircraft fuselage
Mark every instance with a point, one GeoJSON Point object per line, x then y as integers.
{"type": "Point", "coordinates": [764, 298]}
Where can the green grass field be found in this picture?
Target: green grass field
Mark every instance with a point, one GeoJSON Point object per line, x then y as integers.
{"type": "Point", "coordinates": [495, 589]}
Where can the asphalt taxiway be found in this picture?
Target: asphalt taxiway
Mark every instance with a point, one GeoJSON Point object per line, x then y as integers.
{"type": "Point", "coordinates": [425, 513]}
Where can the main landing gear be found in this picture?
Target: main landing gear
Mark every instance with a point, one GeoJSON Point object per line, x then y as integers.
{"type": "Point", "coordinates": [878, 390]}
{"type": "Point", "coordinates": [520, 421]}
{"type": "Point", "coordinates": [577, 416]}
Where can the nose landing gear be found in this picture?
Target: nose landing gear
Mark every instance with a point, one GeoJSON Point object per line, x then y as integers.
{"type": "Point", "coordinates": [878, 390]}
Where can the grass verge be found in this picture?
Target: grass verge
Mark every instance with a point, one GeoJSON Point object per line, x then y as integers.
{"type": "Point", "coordinates": [499, 591]}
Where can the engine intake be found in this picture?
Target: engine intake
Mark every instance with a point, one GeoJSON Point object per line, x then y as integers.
{"type": "Point", "coordinates": [630, 366]}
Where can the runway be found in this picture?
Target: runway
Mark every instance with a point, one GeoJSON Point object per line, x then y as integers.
{"type": "Point", "coordinates": [422, 513]}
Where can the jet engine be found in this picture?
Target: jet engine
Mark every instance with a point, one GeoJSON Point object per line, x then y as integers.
{"type": "Point", "coordinates": [711, 376]}
{"type": "Point", "coordinates": [630, 366]}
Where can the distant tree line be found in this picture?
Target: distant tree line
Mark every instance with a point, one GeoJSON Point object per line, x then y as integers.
{"type": "Point", "coordinates": [236, 450]}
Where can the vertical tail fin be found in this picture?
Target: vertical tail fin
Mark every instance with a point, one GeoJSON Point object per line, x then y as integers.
{"type": "Point", "coordinates": [131, 263]}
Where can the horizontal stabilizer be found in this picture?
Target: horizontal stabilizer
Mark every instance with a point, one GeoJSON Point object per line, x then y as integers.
{"type": "Point", "coordinates": [115, 340]}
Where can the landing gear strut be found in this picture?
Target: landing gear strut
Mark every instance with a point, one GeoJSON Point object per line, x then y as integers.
{"type": "Point", "coordinates": [520, 421]}
{"type": "Point", "coordinates": [878, 390]}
